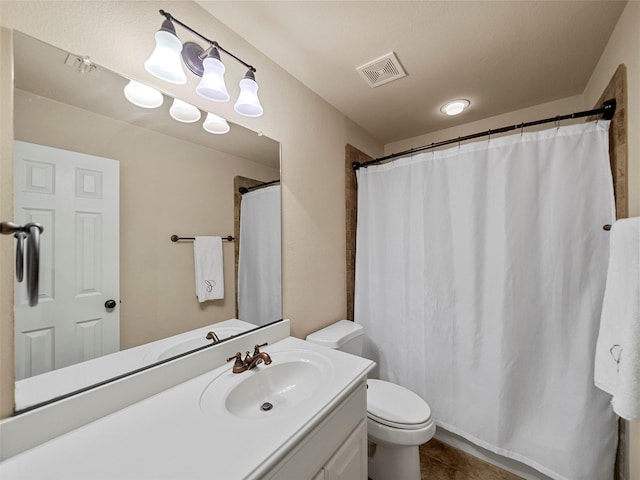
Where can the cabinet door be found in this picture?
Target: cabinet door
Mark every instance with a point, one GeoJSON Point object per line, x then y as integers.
{"type": "Point", "coordinates": [350, 460]}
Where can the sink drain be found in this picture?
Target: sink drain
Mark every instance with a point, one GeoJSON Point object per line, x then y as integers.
{"type": "Point", "coordinates": [266, 406]}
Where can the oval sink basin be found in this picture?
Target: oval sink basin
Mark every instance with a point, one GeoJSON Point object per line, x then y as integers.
{"type": "Point", "coordinates": [293, 378]}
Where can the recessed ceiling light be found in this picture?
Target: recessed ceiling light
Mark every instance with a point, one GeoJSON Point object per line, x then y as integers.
{"type": "Point", "coordinates": [455, 107]}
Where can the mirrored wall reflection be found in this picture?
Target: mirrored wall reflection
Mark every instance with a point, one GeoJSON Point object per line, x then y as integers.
{"type": "Point", "coordinates": [111, 182]}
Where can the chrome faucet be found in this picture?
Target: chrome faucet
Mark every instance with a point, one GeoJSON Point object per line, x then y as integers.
{"type": "Point", "coordinates": [250, 361]}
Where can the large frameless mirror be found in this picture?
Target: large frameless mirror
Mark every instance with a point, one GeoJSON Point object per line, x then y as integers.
{"type": "Point", "coordinates": [112, 183]}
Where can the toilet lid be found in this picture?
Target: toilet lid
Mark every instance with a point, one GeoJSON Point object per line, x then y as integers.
{"type": "Point", "coordinates": [395, 406]}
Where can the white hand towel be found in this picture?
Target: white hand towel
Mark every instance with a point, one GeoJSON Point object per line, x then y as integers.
{"type": "Point", "coordinates": [617, 365]}
{"type": "Point", "coordinates": [207, 254]}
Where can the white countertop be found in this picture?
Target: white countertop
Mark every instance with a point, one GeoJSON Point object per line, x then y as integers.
{"type": "Point", "coordinates": [169, 436]}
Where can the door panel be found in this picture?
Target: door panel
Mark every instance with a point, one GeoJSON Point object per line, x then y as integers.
{"type": "Point", "coordinates": [76, 198]}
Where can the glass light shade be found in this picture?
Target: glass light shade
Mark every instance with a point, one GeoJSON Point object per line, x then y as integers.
{"type": "Point", "coordinates": [248, 103]}
{"type": "Point", "coordinates": [164, 61]}
{"type": "Point", "coordinates": [215, 124]}
{"type": "Point", "coordinates": [142, 95]}
{"type": "Point", "coordinates": [184, 112]}
{"type": "Point", "coordinates": [212, 85]}
{"type": "Point", "coordinates": [455, 108]}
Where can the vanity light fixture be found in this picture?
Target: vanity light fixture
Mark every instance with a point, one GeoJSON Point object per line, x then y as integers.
{"type": "Point", "coordinates": [248, 103]}
{"type": "Point", "coordinates": [142, 95]}
{"type": "Point", "coordinates": [184, 112]}
{"type": "Point", "coordinates": [215, 124]}
{"type": "Point", "coordinates": [455, 107]}
{"type": "Point", "coordinates": [212, 85]}
{"type": "Point", "coordinates": [164, 63]}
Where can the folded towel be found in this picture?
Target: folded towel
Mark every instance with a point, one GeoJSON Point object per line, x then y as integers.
{"type": "Point", "coordinates": [207, 254]}
{"type": "Point", "coordinates": [617, 365]}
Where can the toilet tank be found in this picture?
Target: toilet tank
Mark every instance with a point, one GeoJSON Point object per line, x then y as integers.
{"type": "Point", "coordinates": [344, 335]}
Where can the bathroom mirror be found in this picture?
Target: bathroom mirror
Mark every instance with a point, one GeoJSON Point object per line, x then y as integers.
{"type": "Point", "coordinates": [170, 178]}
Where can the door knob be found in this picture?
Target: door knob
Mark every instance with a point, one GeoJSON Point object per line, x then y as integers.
{"type": "Point", "coordinates": [110, 304]}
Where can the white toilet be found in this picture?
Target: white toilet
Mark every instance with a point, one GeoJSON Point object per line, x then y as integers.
{"type": "Point", "coordinates": [398, 420]}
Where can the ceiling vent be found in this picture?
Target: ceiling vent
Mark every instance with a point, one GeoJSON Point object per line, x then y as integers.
{"type": "Point", "coordinates": [381, 70]}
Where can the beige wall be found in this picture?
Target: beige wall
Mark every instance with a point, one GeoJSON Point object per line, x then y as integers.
{"type": "Point", "coordinates": [624, 47]}
{"type": "Point", "coordinates": [167, 186]}
{"type": "Point", "coordinates": [6, 212]}
{"type": "Point", "coordinates": [119, 36]}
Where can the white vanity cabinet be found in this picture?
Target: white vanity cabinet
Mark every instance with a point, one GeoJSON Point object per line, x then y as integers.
{"type": "Point", "coordinates": [350, 460]}
{"type": "Point", "coordinates": [336, 449]}
{"type": "Point", "coordinates": [181, 430]}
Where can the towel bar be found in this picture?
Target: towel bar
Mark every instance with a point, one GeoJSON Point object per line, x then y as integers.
{"type": "Point", "coordinates": [175, 238]}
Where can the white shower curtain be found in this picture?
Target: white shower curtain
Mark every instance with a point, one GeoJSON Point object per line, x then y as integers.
{"type": "Point", "coordinates": [480, 274]}
{"type": "Point", "coordinates": [259, 266]}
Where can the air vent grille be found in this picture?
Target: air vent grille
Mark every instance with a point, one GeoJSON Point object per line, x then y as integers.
{"type": "Point", "coordinates": [381, 70]}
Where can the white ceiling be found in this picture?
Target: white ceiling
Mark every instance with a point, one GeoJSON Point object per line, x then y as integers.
{"type": "Point", "coordinates": [501, 55]}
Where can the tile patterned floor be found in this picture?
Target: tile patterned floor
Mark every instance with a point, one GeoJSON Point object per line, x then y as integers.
{"type": "Point", "coordinates": [439, 461]}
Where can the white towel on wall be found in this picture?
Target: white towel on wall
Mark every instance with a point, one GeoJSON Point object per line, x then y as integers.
{"type": "Point", "coordinates": [207, 255]}
{"type": "Point", "coordinates": [617, 366]}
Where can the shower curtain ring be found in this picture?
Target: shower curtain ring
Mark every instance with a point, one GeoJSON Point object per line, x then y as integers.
{"type": "Point", "coordinates": [522, 129]}
{"type": "Point", "coordinates": [489, 140]}
{"type": "Point", "coordinates": [458, 142]}
{"type": "Point", "coordinates": [557, 123]}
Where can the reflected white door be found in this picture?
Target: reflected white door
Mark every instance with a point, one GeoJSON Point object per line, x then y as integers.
{"type": "Point", "coordinates": [76, 199]}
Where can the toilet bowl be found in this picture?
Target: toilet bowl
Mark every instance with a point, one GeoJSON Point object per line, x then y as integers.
{"type": "Point", "coordinates": [398, 420]}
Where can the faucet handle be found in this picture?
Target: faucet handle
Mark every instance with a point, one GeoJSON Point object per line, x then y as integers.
{"type": "Point", "coordinates": [239, 366]}
{"type": "Point", "coordinates": [237, 356]}
{"type": "Point", "coordinates": [256, 349]}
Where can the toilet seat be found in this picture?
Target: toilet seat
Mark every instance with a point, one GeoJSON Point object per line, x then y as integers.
{"type": "Point", "coordinates": [401, 426]}
{"type": "Point", "coordinates": [380, 433]}
{"type": "Point", "coordinates": [397, 416]}
{"type": "Point", "coordinates": [395, 406]}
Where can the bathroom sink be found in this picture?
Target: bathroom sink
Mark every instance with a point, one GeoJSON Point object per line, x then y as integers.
{"type": "Point", "coordinates": [289, 381]}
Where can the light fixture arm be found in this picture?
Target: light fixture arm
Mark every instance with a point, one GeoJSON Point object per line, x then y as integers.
{"type": "Point", "coordinates": [171, 18]}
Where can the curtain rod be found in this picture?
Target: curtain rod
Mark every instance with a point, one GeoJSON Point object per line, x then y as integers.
{"type": "Point", "coordinates": [244, 190]}
{"type": "Point", "coordinates": [607, 111]}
